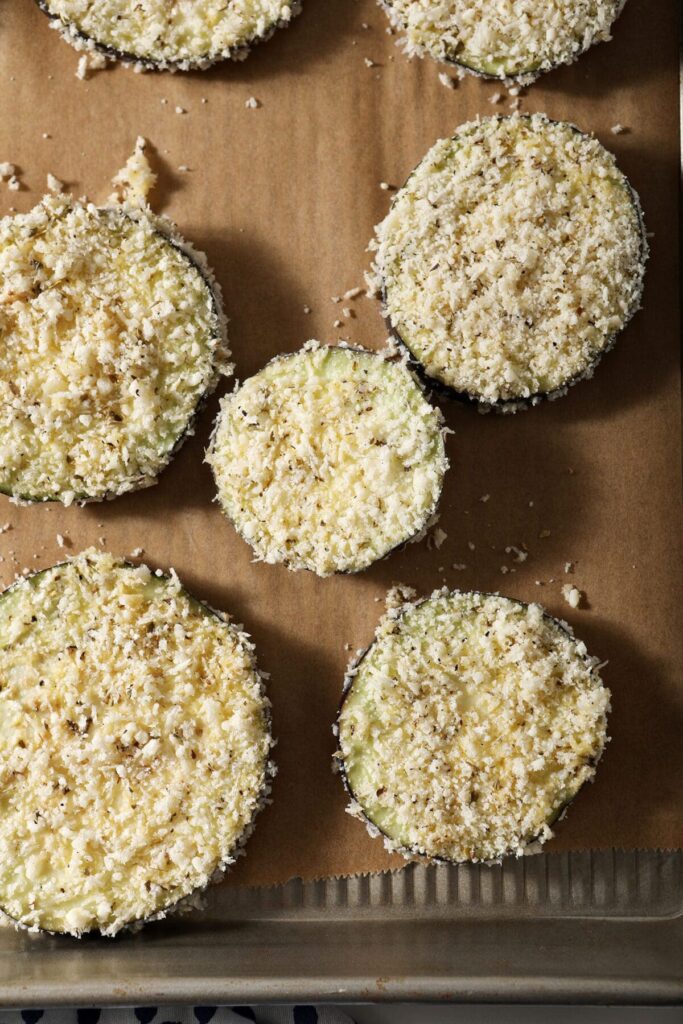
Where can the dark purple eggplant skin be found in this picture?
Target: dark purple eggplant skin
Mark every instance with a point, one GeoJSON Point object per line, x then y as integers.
{"type": "Point", "coordinates": [439, 388]}
{"type": "Point", "coordinates": [424, 388]}
{"type": "Point", "coordinates": [270, 769]}
{"type": "Point", "coordinates": [413, 852]}
{"type": "Point", "coordinates": [197, 64]}
{"type": "Point", "coordinates": [84, 499]}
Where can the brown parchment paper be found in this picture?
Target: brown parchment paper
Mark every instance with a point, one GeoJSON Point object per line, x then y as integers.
{"type": "Point", "coordinates": [283, 200]}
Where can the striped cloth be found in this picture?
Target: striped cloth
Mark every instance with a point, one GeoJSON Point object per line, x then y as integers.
{"type": "Point", "coordinates": [182, 1015]}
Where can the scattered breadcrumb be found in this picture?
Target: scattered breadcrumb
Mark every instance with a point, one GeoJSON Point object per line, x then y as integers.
{"type": "Point", "coordinates": [495, 97]}
{"type": "Point", "coordinates": [91, 61]}
{"type": "Point", "coordinates": [484, 498]}
{"type": "Point", "coordinates": [184, 168]}
{"type": "Point", "coordinates": [458, 566]}
{"type": "Point", "coordinates": [543, 534]}
{"type": "Point", "coordinates": [180, 110]}
{"type": "Point", "coordinates": [471, 545]}
{"type": "Point", "coordinates": [337, 323]}
{"type": "Point", "coordinates": [504, 569]}
{"type": "Point", "coordinates": [352, 293]}
{"type": "Point", "coordinates": [135, 180]}
{"type": "Point", "coordinates": [439, 536]}
{"type": "Point", "coordinates": [54, 184]}
{"type": "Point", "coordinates": [398, 595]}
{"type": "Point", "coordinates": [446, 80]}
{"type": "Point", "coordinates": [572, 595]}
{"type": "Point", "coordinates": [569, 567]}
{"type": "Point", "coordinates": [514, 103]}
{"type": "Point", "coordinates": [618, 129]}
{"type": "Point", "coordinates": [6, 171]}
{"type": "Point", "coordinates": [348, 312]}
{"type": "Point", "coordinates": [61, 540]}
{"type": "Point", "coordinates": [307, 309]}
{"type": "Point", "coordinates": [369, 63]}
{"type": "Point", "coordinates": [518, 553]}
{"type": "Point", "coordinates": [5, 527]}
{"type": "Point", "coordinates": [136, 552]}
{"type": "Point", "coordinates": [46, 135]}
{"type": "Point", "coordinates": [252, 103]}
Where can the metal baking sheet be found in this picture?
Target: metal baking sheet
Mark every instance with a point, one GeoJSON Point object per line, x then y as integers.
{"type": "Point", "coordinates": [588, 927]}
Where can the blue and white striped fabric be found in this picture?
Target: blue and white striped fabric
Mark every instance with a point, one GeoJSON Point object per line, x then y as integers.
{"type": "Point", "coordinates": [182, 1015]}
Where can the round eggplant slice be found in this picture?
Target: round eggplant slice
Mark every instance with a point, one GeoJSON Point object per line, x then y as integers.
{"type": "Point", "coordinates": [468, 725]}
{"type": "Point", "coordinates": [511, 259]}
{"type": "Point", "coordinates": [112, 335]}
{"type": "Point", "coordinates": [159, 35]}
{"type": "Point", "coordinates": [512, 39]}
{"type": "Point", "coordinates": [328, 459]}
{"type": "Point", "coordinates": [134, 746]}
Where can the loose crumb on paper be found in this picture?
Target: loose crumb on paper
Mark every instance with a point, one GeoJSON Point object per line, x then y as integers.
{"type": "Point", "coordinates": [135, 180]}
{"type": "Point", "coordinates": [92, 61]}
{"type": "Point", "coordinates": [518, 554]}
{"type": "Point", "coordinates": [252, 103]}
{"type": "Point", "coordinates": [572, 595]}
{"type": "Point", "coordinates": [438, 537]}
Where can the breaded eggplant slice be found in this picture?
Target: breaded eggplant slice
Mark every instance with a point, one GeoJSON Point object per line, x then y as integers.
{"type": "Point", "coordinates": [158, 35]}
{"type": "Point", "coordinates": [134, 746]}
{"type": "Point", "coordinates": [508, 39]}
{"type": "Point", "coordinates": [468, 725]}
{"type": "Point", "coordinates": [511, 259]}
{"type": "Point", "coordinates": [112, 335]}
{"type": "Point", "coordinates": [328, 459]}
